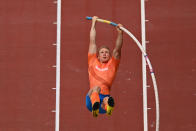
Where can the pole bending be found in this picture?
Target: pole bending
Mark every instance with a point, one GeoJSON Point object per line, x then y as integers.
{"type": "Point", "coordinates": [147, 60]}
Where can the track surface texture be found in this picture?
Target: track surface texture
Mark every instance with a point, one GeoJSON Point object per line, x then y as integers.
{"type": "Point", "coordinates": [28, 56]}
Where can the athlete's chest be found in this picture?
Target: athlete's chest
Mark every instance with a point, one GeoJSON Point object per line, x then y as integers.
{"type": "Point", "coordinates": [103, 68]}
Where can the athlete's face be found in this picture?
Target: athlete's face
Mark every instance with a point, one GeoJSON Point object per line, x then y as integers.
{"type": "Point", "coordinates": [104, 55]}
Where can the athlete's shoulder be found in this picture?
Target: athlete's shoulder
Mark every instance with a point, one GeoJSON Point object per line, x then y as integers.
{"type": "Point", "coordinates": [115, 59]}
{"type": "Point", "coordinates": [91, 57]}
{"type": "Point", "coordinates": [114, 62]}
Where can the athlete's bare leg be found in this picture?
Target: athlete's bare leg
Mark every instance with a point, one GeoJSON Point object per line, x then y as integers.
{"type": "Point", "coordinates": [105, 102]}
{"type": "Point", "coordinates": [94, 89]}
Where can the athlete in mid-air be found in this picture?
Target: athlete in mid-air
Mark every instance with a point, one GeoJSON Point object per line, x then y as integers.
{"type": "Point", "coordinates": [102, 68]}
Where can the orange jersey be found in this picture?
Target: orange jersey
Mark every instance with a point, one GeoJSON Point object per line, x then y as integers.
{"type": "Point", "coordinates": [102, 74]}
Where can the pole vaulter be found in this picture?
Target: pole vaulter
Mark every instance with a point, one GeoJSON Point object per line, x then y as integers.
{"type": "Point", "coordinates": [147, 60]}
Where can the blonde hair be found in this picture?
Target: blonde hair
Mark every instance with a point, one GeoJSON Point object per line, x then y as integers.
{"type": "Point", "coordinates": [101, 47]}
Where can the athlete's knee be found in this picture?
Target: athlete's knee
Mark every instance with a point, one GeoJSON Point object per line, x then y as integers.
{"type": "Point", "coordinates": [96, 89]}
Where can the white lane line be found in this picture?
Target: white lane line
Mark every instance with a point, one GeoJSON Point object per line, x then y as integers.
{"type": "Point", "coordinates": [58, 58]}
{"type": "Point", "coordinates": [145, 108]}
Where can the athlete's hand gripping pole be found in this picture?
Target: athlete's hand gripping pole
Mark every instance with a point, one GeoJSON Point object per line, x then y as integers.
{"type": "Point", "coordinates": [103, 21]}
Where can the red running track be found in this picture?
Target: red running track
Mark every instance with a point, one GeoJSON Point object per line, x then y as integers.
{"type": "Point", "coordinates": [27, 55]}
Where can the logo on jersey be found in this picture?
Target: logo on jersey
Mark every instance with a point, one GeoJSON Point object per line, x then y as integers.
{"type": "Point", "coordinates": [101, 69]}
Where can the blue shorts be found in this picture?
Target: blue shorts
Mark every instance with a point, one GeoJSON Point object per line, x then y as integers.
{"type": "Point", "coordinates": [89, 104]}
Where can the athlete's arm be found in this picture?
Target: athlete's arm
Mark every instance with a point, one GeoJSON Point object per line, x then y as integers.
{"type": "Point", "coordinates": [119, 43]}
{"type": "Point", "coordinates": [92, 45]}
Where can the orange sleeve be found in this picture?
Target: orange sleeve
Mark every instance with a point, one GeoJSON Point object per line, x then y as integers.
{"type": "Point", "coordinates": [115, 62]}
{"type": "Point", "coordinates": [91, 58]}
